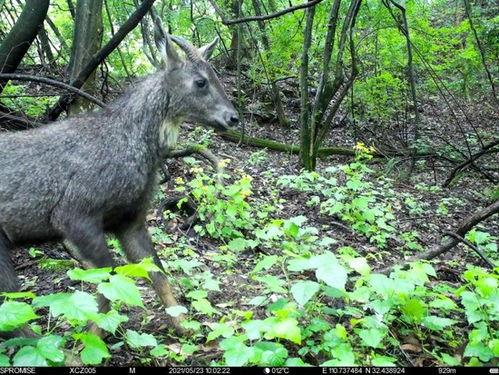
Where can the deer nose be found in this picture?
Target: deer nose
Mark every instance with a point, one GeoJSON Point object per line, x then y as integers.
{"type": "Point", "coordinates": [234, 120]}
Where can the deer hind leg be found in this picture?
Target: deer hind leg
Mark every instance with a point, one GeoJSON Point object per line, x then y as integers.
{"type": "Point", "coordinates": [9, 283]}
{"type": "Point", "coordinates": [137, 244]}
{"type": "Point", "coordinates": [86, 242]}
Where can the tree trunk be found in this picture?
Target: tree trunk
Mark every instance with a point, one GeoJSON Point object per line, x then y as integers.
{"type": "Point", "coordinates": [21, 36]}
{"type": "Point", "coordinates": [87, 39]}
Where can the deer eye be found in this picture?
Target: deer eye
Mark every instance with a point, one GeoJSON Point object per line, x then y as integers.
{"type": "Point", "coordinates": [201, 82]}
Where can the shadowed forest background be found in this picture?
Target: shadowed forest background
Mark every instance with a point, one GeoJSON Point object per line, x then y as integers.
{"type": "Point", "coordinates": [350, 220]}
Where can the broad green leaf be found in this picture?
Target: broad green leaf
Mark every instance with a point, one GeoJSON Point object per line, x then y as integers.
{"type": "Point", "coordinates": [176, 310]}
{"type": "Point", "coordinates": [267, 262]}
{"type": "Point", "coordinates": [236, 352]}
{"type": "Point", "coordinates": [360, 265]}
{"type": "Point", "coordinates": [300, 264]}
{"type": "Point", "coordinates": [220, 329]}
{"type": "Point", "coordinates": [273, 283]}
{"type": "Point", "coordinates": [139, 340]}
{"type": "Point", "coordinates": [287, 328]}
{"type": "Point", "coordinates": [197, 294]}
{"type": "Point", "coordinates": [29, 356]}
{"type": "Point", "coordinates": [14, 314]}
{"type": "Point", "coordinates": [94, 275]}
{"type": "Point", "coordinates": [192, 325]}
{"type": "Point", "coordinates": [48, 347]}
{"type": "Point", "coordinates": [110, 321]}
{"type": "Point", "coordinates": [383, 361]}
{"type": "Point", "coordinates": [372, 337]}
{"type": "Point", "coordinates": [480, 350]}
{"type": "Point", "coordinates": [4, 360]}
{"type": "Point", "coordinates": [303, 291]}
{"type": "Point", "coordinates": [296, 362]}
{"type": "Point", "coordinates": [414, 310]}
{"type": "Point", "coordinates": [159, 351]}
{"type": "Point", "coordinates": [237, 245]}
{"type": "Point", "coordinates": [141, 269]}
{"type": "Point", "coordinates": [437, 323]}
{"type": "Point", "coordinates": [449, 360]}
{"type": "Point", "coordinates": [121, 288]}
{"type": "Point", "coordinates": [254, 328]}
{"type": "Point", "coordinates": [272, 353]}
{"type": "Point", "coordinates": [95, 350]}
{"type": "Point", "coordinates": [204, 306]}
{"type": "Point", "coordinates": [333, 274]}
{"type": "Point", "coordinates": [343, 354]}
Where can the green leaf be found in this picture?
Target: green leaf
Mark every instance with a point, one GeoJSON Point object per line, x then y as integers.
{"type": "Point", "coordinates": [139, 340]}
{"type": "Point", "coordinates": [480, 350]}
{"type": "Point", "coordinates": [176, 310]}
{"type": "Point", "coordinates": [204, 306]}
{"type": "Point", "coordinates": [48, 347]}
{"type": "Point", "coordinates": [4, 360]}
{"type": "Point", "coordinates": [333, 274]}
{"type": "Point", "coordinates": [437, 323]}
{"type": "Point", "coordinates": [141, 269]}
{"type": "Point", "coordinates": [360, 265]}
{"type": "Point", "coordinates": [237, 245]}
{"type": "Point", "coordinates": [296, 362]}
{"type": "Point", "coordinates": [383, 361]}
{"type": "Point", "coordinates": [29, 356]}
{"type": "Point", "coordinates": [303, 291]}
{"type": "Point", "coordinates": [159, 351]}
{"type": "Point", "coordinates": [372, 337]}
{"type": "Point", "coordinates": [286, 328]}
{"type": "Point", "coordinates": [94, 275]}
{"type": "Point", "coordinates": [449, 360]}
{"type": "Point", "coordinates": [267, 262]}
{"type": "Point", "coordinates": [236, 352]}
{"type": "Point", "coordinates": [273, 283]}
{"type": "Point", "coordinates": [197, 294]}
{"type": "Point", "coordinates": [254, 328]}
{"type": "Point", "coordinates": [95, 350]}
{"type": "Point", "coordinates": [14, 314]}
{"type": "Point", "coordinates": [77, 306]}
{"type": "Point", "coordinates": [220, 329]}
{"type": "Point", "coordinates": [300, 264]}
{"type": "Point", "coordinates": [414, 310]}
{"type": "Point", "coordinates": [121, 288]}
{"type": "Point", "coordinates": [110, 321]}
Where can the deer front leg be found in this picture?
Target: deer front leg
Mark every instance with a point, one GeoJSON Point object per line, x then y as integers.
{"type": "Point", "coordinates": [137, 244]}
{"type": "Point", "coordinates": [85, 241]}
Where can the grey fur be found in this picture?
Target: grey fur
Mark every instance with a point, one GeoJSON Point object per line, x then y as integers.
{"type": "Point", "coordinates": [76, 179]}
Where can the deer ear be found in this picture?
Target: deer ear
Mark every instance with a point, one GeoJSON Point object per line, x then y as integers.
{"type": "Point", "coordinates": [169, 56]}
{"type": "Point", "coordinates": [207, 50]}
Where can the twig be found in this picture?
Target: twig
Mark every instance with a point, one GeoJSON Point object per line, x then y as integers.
{"type": "Point", "coordinates": [263, 17]}
{"type": "Point", "coordinates": [473, 247]}
{"type": "Point", "coordinates": [469, 161]}
{"type": "Point", "coordinates": [51, 82]}
{"type": "Point", "coordinates": [461, 230]}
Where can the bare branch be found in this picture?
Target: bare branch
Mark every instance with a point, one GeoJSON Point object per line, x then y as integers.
{"type": "Point", "coordinates": [263, 17]}
{"type": "Point", "coordinates": [51, 82]}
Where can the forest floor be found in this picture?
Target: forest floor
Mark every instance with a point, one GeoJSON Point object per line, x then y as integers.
{"type": "Point", "coordinates": [418, 208]}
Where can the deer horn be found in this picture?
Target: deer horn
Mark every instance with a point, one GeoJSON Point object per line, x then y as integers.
{"type": "Point", "coordinates": [192, 53]}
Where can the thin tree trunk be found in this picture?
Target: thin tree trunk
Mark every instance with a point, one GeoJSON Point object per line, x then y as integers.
{"type": "Point", "coordinates": [467, 7]}
{"type": "Point", "coordinates": [87, 39]}
{"type": "Point", "coordinates": [21, 36]}
{"type": "Point", "coordinates": [305, 134]}
{"type": "Point", "coordinates": [276, 95]}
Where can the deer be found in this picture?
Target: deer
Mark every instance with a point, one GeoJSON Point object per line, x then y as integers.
{"type": "Point", "coordinates": [77, 179]}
